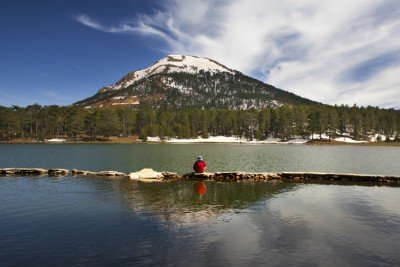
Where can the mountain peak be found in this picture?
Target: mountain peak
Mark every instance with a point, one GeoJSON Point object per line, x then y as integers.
{"type": "Point", "coordinates": [193, 64]}
{"type": "Point", "coordinates": [171, 64]}
{"type": "Point", "coordinates": [183, 81]}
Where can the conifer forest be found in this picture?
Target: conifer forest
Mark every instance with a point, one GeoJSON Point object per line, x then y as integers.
{"type": "Point", "coordinates": [74, 122]}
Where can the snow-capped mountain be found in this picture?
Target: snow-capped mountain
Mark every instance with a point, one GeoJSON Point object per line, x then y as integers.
{"type": "Point", "coordinates": [170, 64]}
{"type": "Point", "coordinates": [179, 81]}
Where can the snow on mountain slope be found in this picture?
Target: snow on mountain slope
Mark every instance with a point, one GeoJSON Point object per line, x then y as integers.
{"type": "Point", "coordinates": [169, 64]}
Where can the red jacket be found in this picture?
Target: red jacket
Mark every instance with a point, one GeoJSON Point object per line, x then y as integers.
{"type": "Point", "coordinates": [199, 166]}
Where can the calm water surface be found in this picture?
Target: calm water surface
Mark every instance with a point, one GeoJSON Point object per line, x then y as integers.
{"type": "Point", "coordinates": [47, 221]}
{"type": "Point", "coordinates": [220, 157]}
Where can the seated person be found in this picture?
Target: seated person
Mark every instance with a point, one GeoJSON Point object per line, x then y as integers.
{"type": "Point", "coordinates": [200, 165]}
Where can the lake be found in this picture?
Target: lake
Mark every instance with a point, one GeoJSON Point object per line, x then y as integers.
{"type": "Point", "coordinates": [63, 221]}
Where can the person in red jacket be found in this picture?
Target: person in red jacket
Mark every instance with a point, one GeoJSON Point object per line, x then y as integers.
{"type": "Point", "coordinates": [200, 165]}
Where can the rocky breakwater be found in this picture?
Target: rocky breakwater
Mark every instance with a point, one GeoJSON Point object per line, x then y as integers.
{"type": "Point", "coordinates": [145, 175]}
{"type": "Point", "coordinates": [149, 175]}
{"type": "Point", "coordinates": [233, 176]}
{"type": "Point", "coordinates": [311, 177]}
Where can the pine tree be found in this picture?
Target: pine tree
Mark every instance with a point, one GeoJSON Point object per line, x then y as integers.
{"type": "Point", "coordinates": [332, 123]}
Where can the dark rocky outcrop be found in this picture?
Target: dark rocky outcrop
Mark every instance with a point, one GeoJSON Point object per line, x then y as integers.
{"type": "Point", "coordinates": [23, 171]}
{"type": "Point", "coordinates": [57, 172]}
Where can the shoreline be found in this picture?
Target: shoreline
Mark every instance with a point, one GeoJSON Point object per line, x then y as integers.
{"type": "Point", "coordinates": [185, 142]}
{"type": "Point", "coordinates": [342, 140]}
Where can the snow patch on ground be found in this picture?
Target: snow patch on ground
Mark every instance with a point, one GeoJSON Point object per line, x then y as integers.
{"type": "Point", "coordinates": [319, 137]}
{"type": "Point", "coordinates": [226, 139]}
{"type": "Point", "coordinates": [238, 140]}
{"type": "Point", "coordinates": [345, 138]}
{"type": "Point", "coordinates": [56, 140]}
{"type": "Point", "coordinates": [153, 139]}
{"type": "Point", "coordinates": [348, 140]}
{"type": "Point", "coordinates": [382, 137]}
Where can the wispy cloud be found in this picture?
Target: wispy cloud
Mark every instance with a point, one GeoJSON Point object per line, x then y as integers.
{"type": "Point", "coordinates": [330, 51]}
{"type": "Point", "coordinates": [85, 20]}
{"type": "Point", "coordinates": [143, 26]}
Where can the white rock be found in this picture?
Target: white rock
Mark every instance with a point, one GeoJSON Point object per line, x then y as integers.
{"type": "Point", "coordinates": [146, 173]}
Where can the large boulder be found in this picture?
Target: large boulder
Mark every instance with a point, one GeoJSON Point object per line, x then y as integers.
{"type": "Point", "coordinates": [149, 175]}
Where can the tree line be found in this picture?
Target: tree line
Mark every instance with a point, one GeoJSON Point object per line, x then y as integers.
{"type": "Point", "coordinates": [287, 122]}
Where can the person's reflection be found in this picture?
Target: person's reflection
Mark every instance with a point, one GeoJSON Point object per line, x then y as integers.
{"type": "Point", "coordinates": [200, 188]}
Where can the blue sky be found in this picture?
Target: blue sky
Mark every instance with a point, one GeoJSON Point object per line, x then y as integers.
{"type": "Point", "coordinates": [61, 51]}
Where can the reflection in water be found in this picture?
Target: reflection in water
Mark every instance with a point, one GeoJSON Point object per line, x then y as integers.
{"type": "Point", "coordinates": [285, 223]}
{"type": "Point", "coordinates": [200, 188]}
{"type": "Point", "coordinates": [334, 221]}
{"type": "Point", "coordinates": [106, 222]}
{"type": "Point", "coordinates": [176, 204]}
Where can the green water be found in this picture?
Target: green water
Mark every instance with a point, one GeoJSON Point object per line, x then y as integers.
{"type": "Point", "coordinates": [220, 157]}
{"type": "Point", "coordinates": [91, 221]}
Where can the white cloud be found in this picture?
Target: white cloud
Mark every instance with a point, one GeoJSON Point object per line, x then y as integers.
{"type": "Point", "coordinates": [330, 51]}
